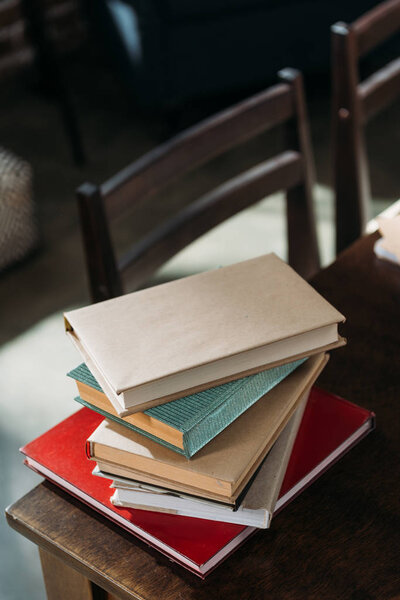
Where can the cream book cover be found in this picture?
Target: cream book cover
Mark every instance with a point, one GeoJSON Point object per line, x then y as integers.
{"type": "Point", "coordinates": [221, 469]}
{"type": "Point", "coordinates": [161, 343]}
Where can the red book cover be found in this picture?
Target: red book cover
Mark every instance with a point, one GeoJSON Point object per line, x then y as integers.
{"type": "Point", "coordinates": [329, 427]}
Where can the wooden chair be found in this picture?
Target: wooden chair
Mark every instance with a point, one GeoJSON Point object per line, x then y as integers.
{"type": "Point", "coordinates": [291, 170]}
{"type": "Point", "coordinates": [354, 104]}
{"type": "Point", "coordinates": [39, 31]}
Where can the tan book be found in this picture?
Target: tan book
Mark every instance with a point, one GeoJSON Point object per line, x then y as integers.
{"type": "Point", "coordinates": [222, 469]}
{"type": "Point", "coordinates": [255, 510]}
{"type": "Point", "coordinates": [178, 338]}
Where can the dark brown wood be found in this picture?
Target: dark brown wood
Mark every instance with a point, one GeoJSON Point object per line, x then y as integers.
{"type": "Point", "coordinates": [12, 38]}
{"type": "Point", "coordinates": [50, 69]}
{"type": "Point", "coordinates": [100, 260]}
{"type": "Point", "coordinates": [340, 539]}
{"type": "Point", "coordinates": [350, 166]}
{"type": "Point", "coordinates": [207, 212]}
{"type": "Point", "coordinates": [283, 104]}
{"type": "Point", "coordinates": [302, 234]}
{"type": "Point", "coordinates": [15, 49]}
{"type": "Point", "coordinates": [63, 583]}
{"type": "Point", "coordinates": [10, 12]}
{"type": "Point", "coordinates": [33, 31]}
{"type": "Point", "coordinates": [380, 90]}
{"type": "Point", "coordinates": [14, 61]}
{"type": "Point", "coordinates": [196, 146]}
{"type": "Point", "coordinates": [353, 104]}
{"type": "Point", "coordinates": [377, 25]}
{"type": "Point", "coordinates": [62, 19]}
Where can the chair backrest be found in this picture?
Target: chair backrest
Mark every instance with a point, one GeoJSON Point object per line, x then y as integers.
{"type": "Point", "coordinates": [354, 103]}
{"type": "Point", "coordinates": [291, 170]}
{"type": "Point", "coordinates": [17, 46]}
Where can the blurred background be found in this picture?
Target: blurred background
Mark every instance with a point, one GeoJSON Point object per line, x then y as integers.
{"type": "Point", "coordinates": [88, 87]}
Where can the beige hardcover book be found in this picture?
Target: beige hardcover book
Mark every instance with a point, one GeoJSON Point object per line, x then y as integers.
{"type": "Point", "coordinates": [174, 339]}
{"type": "Point", "coordinates": [255, 510]}
{"type": "Point", "coordinates": [221, 469]}
{"type": "Point", "coordinates": [264, 491]}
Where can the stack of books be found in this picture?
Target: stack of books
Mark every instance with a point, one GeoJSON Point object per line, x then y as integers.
{"type": "Point", "coordinates": [198, 418]}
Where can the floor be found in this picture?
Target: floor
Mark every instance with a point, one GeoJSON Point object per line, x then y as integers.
{"type": "Point", "coordinates": [34, 353]}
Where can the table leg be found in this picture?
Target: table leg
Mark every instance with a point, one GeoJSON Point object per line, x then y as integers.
{"type": "Point", "coordinates": [64, 583]}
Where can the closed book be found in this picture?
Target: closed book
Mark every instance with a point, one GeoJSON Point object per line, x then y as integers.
{"type": "Point", "coordinates": [223, 468]}
{"type": "Point", "coordinates": [256, 508]}
{"type": "Point", "coordinates": [187, 424]}
{"type": "Point", "coordinates": [330, 426]}
{"type": "Point", "coordinates": [178, 338]}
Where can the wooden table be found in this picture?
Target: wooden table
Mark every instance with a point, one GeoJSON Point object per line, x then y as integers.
{"type": "Point", "coordinates": [339, 539]}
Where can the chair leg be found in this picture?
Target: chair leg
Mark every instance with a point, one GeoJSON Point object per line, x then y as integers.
{"type": "Point", "coordinates": [301, 229]}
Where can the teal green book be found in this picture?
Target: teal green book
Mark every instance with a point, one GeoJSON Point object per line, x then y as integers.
{"type": "Point", "coordinates": [186, 425]}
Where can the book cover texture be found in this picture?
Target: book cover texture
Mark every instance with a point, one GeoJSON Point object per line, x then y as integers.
{"type": "Point", "coordinates": [203, 415]}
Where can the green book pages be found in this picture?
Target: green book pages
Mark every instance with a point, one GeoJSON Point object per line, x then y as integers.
{"type": "Point", "coordinates": [201, 416]}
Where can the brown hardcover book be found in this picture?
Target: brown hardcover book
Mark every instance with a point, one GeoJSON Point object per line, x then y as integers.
{"type": "Point", "coordinates": [178, 338]}
{"type": "Point", "coordinates": [223, 468]}
{"type": "Point", "coordinates": [255, 510]}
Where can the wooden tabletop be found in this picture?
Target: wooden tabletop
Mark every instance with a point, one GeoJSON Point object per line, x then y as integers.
{"type": "Point", "coordinates": [339, 539]}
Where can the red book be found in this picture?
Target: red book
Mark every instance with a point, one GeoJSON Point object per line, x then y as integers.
{"type": "Point", "coordinates": [330, 426]}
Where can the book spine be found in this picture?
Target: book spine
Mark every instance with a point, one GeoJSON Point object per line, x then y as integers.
{"type": "Point", "coordinates": [108, 415]}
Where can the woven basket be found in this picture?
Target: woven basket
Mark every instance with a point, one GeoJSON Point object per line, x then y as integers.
{"type": "Point", "coordinates": [18, 232]}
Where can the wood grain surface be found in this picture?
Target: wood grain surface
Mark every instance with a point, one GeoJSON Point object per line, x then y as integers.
{"type": "Point", "coordinates": [339, 539]}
